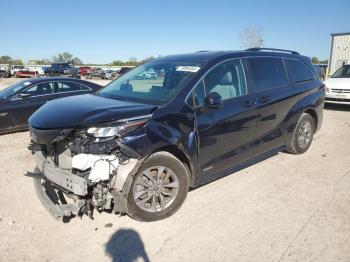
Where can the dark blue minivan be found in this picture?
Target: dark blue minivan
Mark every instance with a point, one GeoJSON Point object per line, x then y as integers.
{"type": "Point", "coordinates": [138, 145]}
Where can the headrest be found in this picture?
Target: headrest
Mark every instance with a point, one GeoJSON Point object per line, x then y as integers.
{"type": "Point", "coordinates": [226, 79]}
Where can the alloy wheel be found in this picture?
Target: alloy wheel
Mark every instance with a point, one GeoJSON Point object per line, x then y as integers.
{"type": "Point", "coordinates": [155, 188]}
{"type": "Point", "coordinates": [304, 134]}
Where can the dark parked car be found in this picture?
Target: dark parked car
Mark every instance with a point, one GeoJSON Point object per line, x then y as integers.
{"type": "Point", "coordinates": [20, 100]}
{"type": "Point", "coordinates": [111, 73]}
{"type": "Point", "coordinates": [57, 69]}
{"type": "Point", "coordinates": [98, 73]}
{"type": "Point", "coordinates": [124, 70]}
{"type": "Point", "coordinates": [3, 72]}
{"type": "Point", "coordinates": [137, 146]}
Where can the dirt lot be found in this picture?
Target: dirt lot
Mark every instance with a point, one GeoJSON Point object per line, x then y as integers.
{"type": "Point", "coordinates": [287, 208]}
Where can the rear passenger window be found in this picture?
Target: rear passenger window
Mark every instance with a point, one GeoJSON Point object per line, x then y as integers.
{"type": "Point", "coordinates": [268, 72]}
{"type": "Point", "coordinates": [85, 88]}
{"type": "Point", "coordinates": [68, 87]}
{"type": "Point", "coordinates": [299, 71]}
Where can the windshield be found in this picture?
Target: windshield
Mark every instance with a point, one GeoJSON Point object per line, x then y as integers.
{"type": "Point", "coordinates": [154, 82]}
{"type": "Point", "coordinates": [13, 89]}
{"type": "Point", "coordinates": [343, 72]}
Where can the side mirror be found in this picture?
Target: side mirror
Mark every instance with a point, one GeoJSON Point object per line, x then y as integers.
{"type": "Point", "coordinates": [213, 100]}
{"type": "Point", "coordinates": [23, 95]}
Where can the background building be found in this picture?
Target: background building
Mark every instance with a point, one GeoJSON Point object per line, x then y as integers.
{"type": "Point", "coordinates": [340, 51]}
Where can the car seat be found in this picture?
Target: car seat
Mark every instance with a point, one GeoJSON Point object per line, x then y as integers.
{"type": "Point", "coordinates": [44, 89]}
{"type": "Point", "coordinates": [225, 88]}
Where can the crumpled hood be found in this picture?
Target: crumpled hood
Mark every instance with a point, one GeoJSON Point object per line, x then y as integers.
{"type": "Point", "coordinates": [85, 110]}
{"type": "Point", "coordinates": [338, 83]}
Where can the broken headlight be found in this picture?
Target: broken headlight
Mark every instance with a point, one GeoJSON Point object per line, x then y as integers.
{"type": "Point", "coordinates": [119, 128]}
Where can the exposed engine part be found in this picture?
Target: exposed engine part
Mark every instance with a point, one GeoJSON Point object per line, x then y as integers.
{"type": "Point", "coordinates": [102, 166]}
{"type": "Point", "coordinates": [101, 196]}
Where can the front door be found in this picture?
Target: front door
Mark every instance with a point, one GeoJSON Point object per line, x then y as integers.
{"type": "Point", "coordinates": [5, 117]}
{"type": "Point", "coordinates": [226, 135]}
{"type": "Point", "coordinates": [23, 107]}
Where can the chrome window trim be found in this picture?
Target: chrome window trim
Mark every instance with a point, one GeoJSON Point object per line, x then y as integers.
{"type": "Point", "coordinates": [53, 93]}
{"type": "Point", "coordinates": [74, 90]}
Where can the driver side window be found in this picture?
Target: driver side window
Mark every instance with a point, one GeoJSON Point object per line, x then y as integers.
{"type": "Point", "coordinates": [226, 79]}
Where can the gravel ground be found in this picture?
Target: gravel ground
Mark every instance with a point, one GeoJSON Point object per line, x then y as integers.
{"type": "Point", "coordinates": [286, 208]}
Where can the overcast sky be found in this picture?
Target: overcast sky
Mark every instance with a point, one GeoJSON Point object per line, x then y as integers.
{"type": "Point", "coordinates": [103, 31]}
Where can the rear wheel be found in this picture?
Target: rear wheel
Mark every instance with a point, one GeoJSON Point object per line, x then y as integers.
{"type": "Point", "coordinates": [159, 188]}
{"type": "Point", "coordinates": [303, 135]}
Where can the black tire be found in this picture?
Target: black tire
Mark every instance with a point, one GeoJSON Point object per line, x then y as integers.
{"type": "Point", "coordinates": [170, 162]}
{"type": "Point", "coordinates": [296, 147]}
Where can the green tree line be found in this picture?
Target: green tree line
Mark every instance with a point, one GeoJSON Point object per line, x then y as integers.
{"type": "Point", "coordinates": [67, 57]}
{"type": "Point", "coordinates": [315, 60]}
{"type": "Point", "coordinates": [7, 60]}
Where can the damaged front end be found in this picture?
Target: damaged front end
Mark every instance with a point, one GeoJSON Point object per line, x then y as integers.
{"type": "Point", "coordinates": [81, 170]}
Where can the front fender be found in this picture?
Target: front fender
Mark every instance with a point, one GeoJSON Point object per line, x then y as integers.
{"type": "Point", "coordinates": [158, 135]}
{"type": "Point", "coordinates": [172, 131]}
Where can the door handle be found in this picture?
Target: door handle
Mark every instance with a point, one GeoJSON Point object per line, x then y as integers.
{"type": "Point", "coordinates": [249, 103]}
{"type": "Point", "coordinates": [264, 99]}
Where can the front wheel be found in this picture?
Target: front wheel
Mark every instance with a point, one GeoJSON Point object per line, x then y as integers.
{"type": "Point", "coordinates": [302, 135]}
{"type": "Point", "coordinates": [159, 188]}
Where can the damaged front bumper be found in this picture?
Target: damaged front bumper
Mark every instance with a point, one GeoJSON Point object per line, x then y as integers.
{"type": "Point", "coordinates": [45, 195]}
{"type": "Point", "coordinates": [65, 179]}
{"type": "Point", "coordinates": [70, 183]}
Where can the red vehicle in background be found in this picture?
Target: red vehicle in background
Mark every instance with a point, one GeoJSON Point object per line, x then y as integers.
{"type": "Point", "coordinates": [84, 69]}
{"type": "Point", "coordinates": [26, 73]}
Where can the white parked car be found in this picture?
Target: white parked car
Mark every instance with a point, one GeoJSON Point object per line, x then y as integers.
{"type": "Point", "coordinates": [16, 68]}
{"type": "Point", "coordinates": [148, 74]}
{"type": "Point", "coordinates": [338, 86]}
{"type": "Point", "coordinates": [40, 71]}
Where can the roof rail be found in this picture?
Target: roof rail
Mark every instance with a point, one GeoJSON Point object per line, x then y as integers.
{"type": "Point", "coordinates": [272, 49]}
